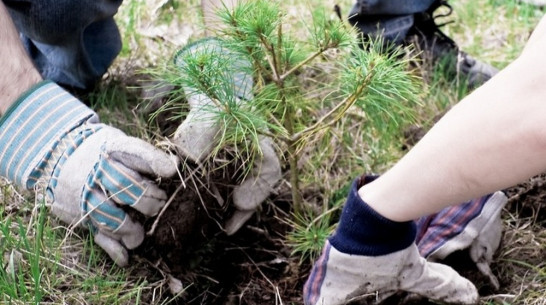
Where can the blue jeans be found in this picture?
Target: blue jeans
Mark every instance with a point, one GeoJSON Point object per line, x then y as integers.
{"type": "Point", "coordinates": [390, 19]}
{"type": "Point", "coordinates": [72, 42]}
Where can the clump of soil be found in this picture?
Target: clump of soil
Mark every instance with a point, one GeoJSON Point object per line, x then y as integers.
{"type": "Point", "coordinates": [253, 266]}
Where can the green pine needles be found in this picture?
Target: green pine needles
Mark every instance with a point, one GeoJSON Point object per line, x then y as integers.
{"type": "Point", "coordinates": [295, 110]}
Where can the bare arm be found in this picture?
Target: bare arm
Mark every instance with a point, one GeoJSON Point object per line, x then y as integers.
{"type": "Point", "coordinates": [493, 139]}
{"type": "Point", "coordinates": [18, 72]}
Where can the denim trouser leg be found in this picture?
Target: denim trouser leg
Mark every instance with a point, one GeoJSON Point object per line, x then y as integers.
{"type": "Point", "coordinates": [390, 19]}
{"type": "Point", "coordinates": [72, 42]}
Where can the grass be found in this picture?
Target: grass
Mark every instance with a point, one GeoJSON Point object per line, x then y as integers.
{"type": "Point", "coordinates": [44, 262]}
{"type": "Point", "coordinates": [47, 263]}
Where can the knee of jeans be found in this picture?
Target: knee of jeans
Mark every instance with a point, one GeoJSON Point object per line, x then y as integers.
{"type": "Point", "coordinates": [55, 21]}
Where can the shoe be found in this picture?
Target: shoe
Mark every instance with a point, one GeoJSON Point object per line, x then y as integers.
{"type": "Point", "coordinates": [425, 35]}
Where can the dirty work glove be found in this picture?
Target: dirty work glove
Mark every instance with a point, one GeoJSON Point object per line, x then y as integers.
{"type": "Point", "coordinates": [371, 256]}
{"type": "Point", "coordinates": [198, 134]}
{"type": "Point", "coordinates": [51, 141]}
{"type": "Point", "coordinates": [475, 225]}
{"type": "Point", "coordinates": [256, 187]}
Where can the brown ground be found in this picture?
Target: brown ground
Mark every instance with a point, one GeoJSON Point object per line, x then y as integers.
{"type": "Point", "coordinates": [250, 267]}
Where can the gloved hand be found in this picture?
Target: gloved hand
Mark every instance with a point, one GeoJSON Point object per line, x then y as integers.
{"type": "Point", "coordinates": [475, 225]}
{"type": "Point", "coordinates": [257, 186]}
{"type": "Point", "coordinates": [371, 256]}
{"type": "Point", "coordinates": [198, 134]}
{"type": "Point", "coordinates": [89, 170]}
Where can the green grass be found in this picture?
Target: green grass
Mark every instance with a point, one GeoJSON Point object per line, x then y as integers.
{"type": "Point", "coordinates": [45, 262]}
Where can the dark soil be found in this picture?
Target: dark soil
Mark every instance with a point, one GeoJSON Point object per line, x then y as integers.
{"type": "Point", "coordinates": [254, 266]}
{"type": "Point", "coordinates": [250, 267]}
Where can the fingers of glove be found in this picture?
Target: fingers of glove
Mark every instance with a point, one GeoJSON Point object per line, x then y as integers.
{"type": "Point", "coordinates": [475, 224]}
{"type": "Point", "coordinates": [129, 233]}
{"type": "Point", "coordinates": [455, 228]}
{"type": "Point", "coordinates": [128, 187]}
{"type": "Point", "coordinates": [107, 218]}
{"type": "Point", "coordinates": [141, 156]}
{"type": "Point", "coordinates": [114, 249]}
{"type": "Point", "coordinates": [337, 278]}
{"type": "Point", "coordinates": [237, 220]}
{"type": "Point", "coordinates": [151, 202]}
{"type": "Point", "coordinates": [484, 268]}
{"type": "Point", "coordinates": [436, 281]}
{"type": "Point", "coordinates": [484, 247]}
{"type": "Point", "coordinates": [195, 137]}
{"type": "Point", "coordinates": [248, 195]}
{"type": "Point", "coordinates": [266, 173]}
{"type": "Point", "coordinates": [102, 212]}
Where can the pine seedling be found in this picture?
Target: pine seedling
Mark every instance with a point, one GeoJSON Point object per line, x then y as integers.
{"type": "Point", "coordinates": [375, 82]}
{"type": "Point", "coordinates": [310, 232]}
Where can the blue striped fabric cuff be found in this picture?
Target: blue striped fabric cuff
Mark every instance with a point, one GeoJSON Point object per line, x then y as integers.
{"type": "Point", "coordinates": [33, 125]}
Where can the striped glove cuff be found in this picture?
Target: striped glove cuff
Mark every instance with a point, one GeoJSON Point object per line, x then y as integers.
{"type": "Point", "coordinates": [33, 127]}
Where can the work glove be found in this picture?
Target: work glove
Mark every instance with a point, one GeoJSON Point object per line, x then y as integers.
{"type": "Point", "coordinates": [199, 133]}
{"type": "Point", "coordinates": [475, 225]}
{"type": "Point", "coordinates": [90, 172]}
{"type": "Point", "coordinates": [372, 257]}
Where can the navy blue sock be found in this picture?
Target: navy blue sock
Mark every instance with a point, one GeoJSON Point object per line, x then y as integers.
{"type": "Point", "coordinates": [363, 231]}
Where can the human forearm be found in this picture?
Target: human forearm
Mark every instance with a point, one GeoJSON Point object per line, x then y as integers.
{"type": "Point", "coordinates": [492, 139]}
{"type": "Point", "coordinates": [18, 72]}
